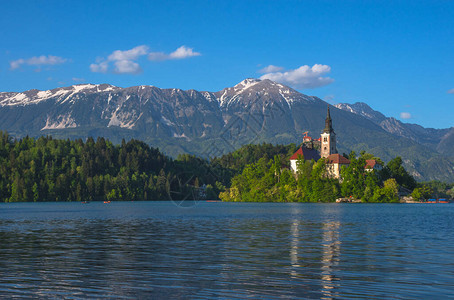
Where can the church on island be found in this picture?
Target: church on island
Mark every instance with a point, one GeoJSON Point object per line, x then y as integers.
{"type": "Point", "coordinates": [327, 150]}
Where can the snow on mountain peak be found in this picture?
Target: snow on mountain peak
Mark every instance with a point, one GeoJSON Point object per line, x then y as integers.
{"type": "Point", "coordinates": [245, 84]}
{"type": "Point", "coordinates": [92, 87]}
{"type": "Point", "coordinates": [80, 87]}
{"type": "Point", "coordinates": [36, 96]}
{"type": "Point", "coordinates": [362, 109]}
{"type": "Point", "coordinates": [251, 88]}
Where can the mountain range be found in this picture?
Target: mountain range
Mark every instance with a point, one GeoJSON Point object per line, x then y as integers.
{"type": "Point", "coordinates": [210, 124]}
{"type": "Point", "coordinates": [441, 140]}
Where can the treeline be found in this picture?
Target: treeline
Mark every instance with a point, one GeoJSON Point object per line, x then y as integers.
{"type": "Point", "coordinates": [433, 189]}
{"type": "Point", "coordinates": [237, 160]}
{"type": "Point", "coordinates": [271, 180]}
{"type": "Point", "coordinates": [47, 169]}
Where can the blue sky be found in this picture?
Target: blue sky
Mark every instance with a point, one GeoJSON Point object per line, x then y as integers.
{"type": "Point", "coordinates": [397, 56]}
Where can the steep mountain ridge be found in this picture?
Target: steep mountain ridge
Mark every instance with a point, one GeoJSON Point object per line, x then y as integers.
{"type": "Point", "coordinates": [35, 96]}
{"type": "Point", "coordinates": [210, 123]}
{"type": "Point", "coordinates": [362, 109]}
{"type": "Point", "coordinates": [250, 90]}
{"type": "Point", "coordinates": [437, 139]}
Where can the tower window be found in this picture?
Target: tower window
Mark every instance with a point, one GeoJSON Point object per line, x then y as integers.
{"type": "Point", "coordinates": [325, 139]}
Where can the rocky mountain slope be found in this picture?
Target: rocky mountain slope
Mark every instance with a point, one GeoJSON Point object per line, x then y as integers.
{"type": "Point", "coordinates": [213, 123]}
{"type": "Point", "coordinates": [440, 140]}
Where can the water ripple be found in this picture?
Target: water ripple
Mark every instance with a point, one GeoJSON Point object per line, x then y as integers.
{"type": "Point", "coordinates": [226, 250]}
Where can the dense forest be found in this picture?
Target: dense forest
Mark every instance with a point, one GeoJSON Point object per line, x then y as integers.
{"type": "Point", "coordinates": [47, 169]}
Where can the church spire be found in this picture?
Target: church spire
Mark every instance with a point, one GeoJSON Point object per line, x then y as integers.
{"type": "Point", "coordinates": [328, 138]}
{"type": "Point", "coordinates": [328, 123]}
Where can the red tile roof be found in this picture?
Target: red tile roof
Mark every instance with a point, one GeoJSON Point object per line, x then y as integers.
{"type": "Point", "coordinates": [307, 154]}
{"type": "Point", "coordinates": [337, 159]}
{"type": "Point", "coordinates": [370, 163]}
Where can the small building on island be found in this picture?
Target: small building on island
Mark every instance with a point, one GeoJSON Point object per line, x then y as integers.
{"type": "Point", "coordinates": [334, 164]}
{"type": "Point", "coordinates": [327, 145]}
{"type": "Point", "coordinates": [305, 153]}
{"type": "Point", "coordinates": [372, 164]}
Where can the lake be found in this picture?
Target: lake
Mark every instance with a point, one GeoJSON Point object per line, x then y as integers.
{"type": "Point", "coordinates": [226, 250]}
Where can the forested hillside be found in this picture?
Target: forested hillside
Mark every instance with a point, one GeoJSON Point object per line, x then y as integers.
{"type": "Point", "coordinates": [47, 169]}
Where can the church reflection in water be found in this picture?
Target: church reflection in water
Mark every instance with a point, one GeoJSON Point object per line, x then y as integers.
{"type": "Point", "coordinates": [294, 240]}
{"type": "Point", "coordinates": [330, 258]}
{"type": "Point", "coordinates": [327, 245]}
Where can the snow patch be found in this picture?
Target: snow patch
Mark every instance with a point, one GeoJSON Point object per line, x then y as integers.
{"type": "Point", "coordinates": [167, 121]}
{"type": "Point", "coordinates": [245, 84]}
{"type": "Point", "coordinates": [44, 94]}
{"type": "Point", "coordinates": [222, 99]}
{"type": "Point", "coordinates": [80, 87]}
{"type": "Point", "coordinates": [62, 95]}
{"type": "Point", "coordinates": [62, 122]}
{"type": "Point", "coordinates": [124, 119]}
{"type": "Point", "coordinates": [288, 100]}
{"type": "Point", "coordinates": [181, 136]}
{"type": "Point", "coordinates": [19, 97]}
{"type": "Point", "coordinates": [110, 88]}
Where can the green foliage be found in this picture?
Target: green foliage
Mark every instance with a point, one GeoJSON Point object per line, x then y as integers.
{"type": "Point", "coordinates": [423, 192]}
{"type": "Point", "coordinates": [394, 169]}
{"type": "Point", "coordinates": [248, 154]}
{"type": "Point", "coordinates": [451, 193]}
{"type": "Point", "coordinates": [368, 156]}
{"type": "Point", "coordinates": [271, 180]}
{"type": "Point", "coordinates": [437, 189]}
{"type": "Point", "coordinates": [46, 169]}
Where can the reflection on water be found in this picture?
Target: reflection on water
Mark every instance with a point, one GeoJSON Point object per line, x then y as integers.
{"type": "Point", "coordinates": [329, 248]}
{"type": "Point", "coordinates": [294, 241]}
{"type": "Point", "coordinates": [330, 259]}
{"type": "Point", "coordinates": [226, 250]}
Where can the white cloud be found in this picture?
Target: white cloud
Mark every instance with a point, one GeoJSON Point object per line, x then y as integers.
{"type": "Point", "coordinates": [271, 69]}
{"type": "Point", "coordinates": [125, 61]}
{"type": "Point", "coordinates": [127, 67]}
{"type": "Point", "coordinates": [131, 54]}
{"type": "Point", "coordinates": [100, 67]}
{"type": "Point", "coordinates": [181, 53]}
{"type": "Point", "coordinates": [37, 61]}
{"type": "Point", "coordinates": [78, 79]}
{"type": "Point", "coordinates": [451, 91]}
{"type": "Point", "coordinates": [305, 77]}
{"type": "Point", "coordinates": [405, 115]}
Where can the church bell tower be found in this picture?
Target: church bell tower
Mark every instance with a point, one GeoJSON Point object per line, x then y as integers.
{"type": "Point", "coordinates": [328, 138]}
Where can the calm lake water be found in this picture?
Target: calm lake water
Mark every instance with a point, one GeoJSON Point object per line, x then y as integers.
{"type": "Point", "coordinates": [226, 250]}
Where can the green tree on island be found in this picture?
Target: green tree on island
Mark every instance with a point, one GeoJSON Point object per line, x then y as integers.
{"type": "Point", "coordinates": [271, 181]}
